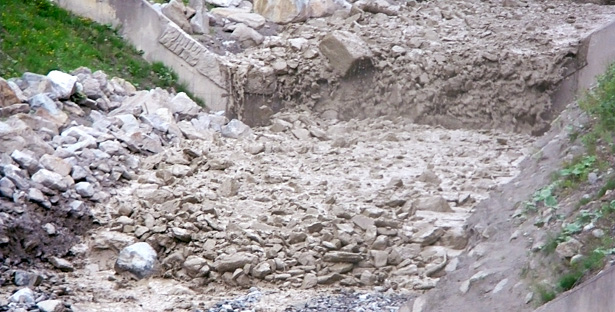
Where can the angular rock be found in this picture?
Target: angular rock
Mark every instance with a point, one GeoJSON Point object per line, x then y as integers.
{"type": "Point", "coordinates": [247, 36]}
{"type": "Point", "coordinates": [7, 188]}
{"type": "Point", "coordinates": [261, 270]}
{"type": "Point", "coordinates": [310, 280]}
{"type": "Point", "coordinates": [226, 263]}
{"type": "Point", "coordinates": [51, 180]}
{"type": "Point", "coordinates": [224, 3]}
{"type": "Point", "coordinates": [194, 265]}
{"type": "Point", "coordinates": [138, 259]}
{"type": "Point", "coordinates": [436, 204]}
{"type": "Point", "coordinates": [63, 83]}
{"type": "Point", "coordinates": [50, 306]}
{"type": "Point", "coordinates": [184, 107]}
{"type": "Point", "coordinates": [26, 161]}
{"type": "Point", "coordinates": [347, 53]}
{"type": "Point", "coordinates": [24, 295]}
{"type": "Point", "coordinates": [43, 101]}
{"type": "Point", "coordinates": [568, 248]}
{"type": "Point", "coordinates": [252, 20]}
{"type": "Point", "coordinates": [379, 258]}
{"type": "Point", "coordinates": [85, 189]}
{"type": "Point", "coordinates": [8, 96]}
{"type": "Point", "coordinates": [282, 11]}
{"type": "Point", "coordinates": [342, 256]}
{"type": "Point", "coordinates": [61, 264]}
{"type": "Point", "coordinates": [235, 129]}
{"type": "Point", "coordinates": [174, 10]}
{"type": "Point", "coordinates": [56, 164]}
{"type": "Point", "coordinates": [363, 222]}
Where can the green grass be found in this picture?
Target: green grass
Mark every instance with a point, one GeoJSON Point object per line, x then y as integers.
{"type": "Point", "coordinates": [38, 36]}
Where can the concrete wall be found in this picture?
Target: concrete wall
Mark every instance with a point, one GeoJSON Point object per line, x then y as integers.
{"type": "Point", "coordinates": [597, 51]}
{"type": "Point", "coordinates": [595, 295]}
{"type": "Point", "coordinates": [161, 40]}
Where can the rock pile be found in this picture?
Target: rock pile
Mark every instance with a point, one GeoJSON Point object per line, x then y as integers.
{"type": "Point", "coordinates": [67, 140]}
{"type": "Point", "coordinates": [301, 203]}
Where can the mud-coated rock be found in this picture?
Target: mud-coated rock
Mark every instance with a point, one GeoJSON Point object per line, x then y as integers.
{"type": "Point", "coordinates": [138, 259]}
{"type": "Point", "coordinates": [226, 263]}
{"type": "Point", "coordinates": [347, 53]}
{"type": "Point", "coordinates": [342, 256]}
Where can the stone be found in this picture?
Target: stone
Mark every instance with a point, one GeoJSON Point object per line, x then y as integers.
{"type": "Point", "coordinates": [298, 44]}
{"type": "Point", "coordinates": [363, 222]}
{"type": "Point", "coordinates": [85, 189]}
{"type": "Point", "coordinates": [224, 3]}
{"type": "Point", "coordinates": [7, 188]}
{"type": "Point", "coordinates": [26, 161]}
{"type": "Point", "coordinates": [427, 235]}
{"type": "Point", "coordinates": [235, 129]}
{"type": "Point", "coordinates": [252, 20]}
{"type": "Point", "coordinates": [247, 36]}
{"type": "Point", "coordinates": [568, 248]}
{"type": "Point", "coordinates": [455, 237]}
{"type": "Point", "coordinates": [24, 295]}
{"type": "Point", "coordinates": [194, 264]}
{"type": "Point", "coordinates": [261, 270]}
{"type": "Point", "coordinates": [310, 280]}
{"type": "Point", "coordinates": [63, 83]}
{"type": "Point", "coordinates": [43, 101]}
{"type": "Point", "coordinates": [56, 164]}
{"type": "Point", "coordinates": [282, 11]}
{"type": "Point", "coordinates": [347, 53]}
{"type": "Point", "coordinates": [61, 264]}
{"type": "Point", "coordinates": [174, 10]}
{"type": "Point", "coordinates": [379, 258]}
{"type": "Point", "coordinates": [50, 306]}
{"type": "Point", "coordinates": [8, 96]}
{"type": "Point", "coordinates": [112, 148]}
{"type": "Point", "coordinates": [35, 195]}
{"type": "Point", "coordinates": [436, 204]}
{"type": "Point", "coordinates": [226, 263]}
{"type": "Point", "coordinates": [138, 259]}
{"type": "Point", "coordinates": [377, 6]}
{"type": "Point", "coordinates": [184, 107]}
{"type": "Point", "coordinates": [342, 256]}
{"type": "Point", "coordinates": [181, 234]}
{"type": "Point", "coordinates": [51, 180]}
{"type": "Point", "coordinates": [200, 23]}
{"type": "Point", "coordinates": [321, 8]}
{"type": "Point", "coordinates": [329, 278]}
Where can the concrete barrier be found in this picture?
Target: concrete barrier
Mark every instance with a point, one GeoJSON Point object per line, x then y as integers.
{"type": "Point", "coordinates": [161, 40]}
{"type": "Point", "coordinates": [595, 295]}
{"type": "Point", "coordinates": [597, 51]}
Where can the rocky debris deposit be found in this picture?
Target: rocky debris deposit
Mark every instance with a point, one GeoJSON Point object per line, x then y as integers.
{"type": "Point", "coordinates": [470, 64]}
{"type": "Point", "coordinates": [304, 203]}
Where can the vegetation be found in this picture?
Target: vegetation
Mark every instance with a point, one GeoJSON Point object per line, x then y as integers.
{"type": "Point", "coordinates": [38, 36]}
{"type": "Point", "coordinates": [595, 210]}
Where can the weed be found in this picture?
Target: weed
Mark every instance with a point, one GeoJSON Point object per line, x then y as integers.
{"type": "Point", "coordinates": [569, 280]}
{"type": "Point", "coordinates": [545, 293]}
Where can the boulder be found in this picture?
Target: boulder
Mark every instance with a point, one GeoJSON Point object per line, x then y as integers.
{"type": "Point", "coordinates": [24, 295]}
{"type": "Point", "coordinates": [321, 8]}
{"type": "Point", "coordinates": [282, 11]}
{"type": "Point", "coordinates": [63, 83]}
{"type": "Point", "coordinates": [252, 20]}
{"type": "Point", "coordinates": [56, 164]}
{"type": "Point", "coordinates": [175, 11]}
{"type": "Point", "coordinates": [247, 36]}
{"type": "Point", "coordinates": [200, 23]}
{"type": "Point", "coordinates": [43, 101]}
{"type": "Point", "coordinates": [224, 3]}
{"type": "Point", "coordinates": [50, 306]}
{"type": "Point", "coordinates": [347, 53]}
{"type": "Point", "coordinates": [8, 96]}
{"type": "Point", "coordinates": [436, 204]}
{"type": "Point", "coordinates": [235, 129]}
{"type": "Point", "coordinates": [52, 180]}
{"type": "Point", "coordinates": [227, 263]}
{"type": "Point", "coordinates": [138, 259]}
{"type": "Point", "coordinates": [184, 107]}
